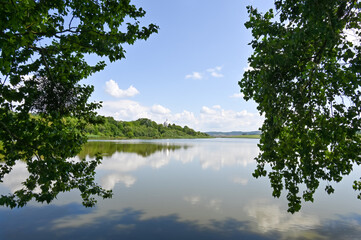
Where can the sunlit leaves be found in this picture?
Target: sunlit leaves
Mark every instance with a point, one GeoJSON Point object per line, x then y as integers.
{"type": "Point", "coordinates": [305, 77]}
{"type": "Point", "coordinates": [43, 108]}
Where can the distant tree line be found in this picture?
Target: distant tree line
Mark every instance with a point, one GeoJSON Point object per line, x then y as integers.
{"type": "Point", "coordinates": [141, 128]}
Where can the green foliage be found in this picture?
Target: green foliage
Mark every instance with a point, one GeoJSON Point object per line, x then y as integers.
{"type": "Point", "coordinates": [43, 46]}
{"type": "Point", "coordinates": [305, 77]}
{"type": "Point", "coordinates": [109, 148]}
{"type": "Point", "coordinates": [141, 128]}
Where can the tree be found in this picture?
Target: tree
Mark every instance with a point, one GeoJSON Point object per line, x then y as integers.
{"type": "Point", "coordinates": [305, 76]}
{"type": "Point", "coordinates": [43, 108]}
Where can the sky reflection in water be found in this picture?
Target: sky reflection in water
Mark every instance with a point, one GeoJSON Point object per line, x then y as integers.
{"type": "Point", "coordinates": [177, 189]}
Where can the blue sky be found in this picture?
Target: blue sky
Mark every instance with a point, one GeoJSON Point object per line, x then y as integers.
{"type": "Point", "coordinates": [188, 73]}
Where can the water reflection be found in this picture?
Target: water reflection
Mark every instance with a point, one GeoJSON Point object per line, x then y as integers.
{"type": "Point", "coordinates": [109, 181]}
{"type": "Point", "coordinates": [120, 158]}
{"type": "Point", "coordinates": [176, 189]}
{"type": "Point", "coordinates": [109, 148]}
{"type": "Point", "coordinates": [128, 223]}
{"type": "Point", "coordinates": [270, 217]}
{"type": "Point", "coordinates": [240, 180]}
{"type": "Point", "coordinates": [125, 224]}
{"type": "Point", "coordinates": [211, 204]}
{"type": "Point", "coordinates": [19, 174]}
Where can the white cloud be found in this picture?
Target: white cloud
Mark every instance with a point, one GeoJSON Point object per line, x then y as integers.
{"type": "Point", "coordinates": [186, 118]}
{"type": "Point", "coordinates": [113, 89]}
{"type": "Point", "coordinates": [244, 113]}
{"type": "Point", "coordinates": [207, 110]}
{"type": "Point", "coordinates": [213, 118]}
{"type": "Point", "coordinates": [237, 95]}
{"type": "Point", "coordinates": [215, 72]}
{"type": "Point", "coordinates": [216, 69]}
{"type": "Point", "coordinates": [195, 76]}
{"type": "Point", "coordinates": [216, 75]}
{"type": "Point", "coordinates": [126, 110]}
{"type": "Point", "coordinates": [210, 72]}
{"type": "Point", "coordinates": [218, 119]}
{"type": "Point", "coordinates": [158, 109]}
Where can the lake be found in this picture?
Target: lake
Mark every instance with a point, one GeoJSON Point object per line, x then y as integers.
{"type": "Point", "coordinates": [182, 189]}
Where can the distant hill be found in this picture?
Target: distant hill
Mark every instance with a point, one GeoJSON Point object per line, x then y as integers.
{"type": "Point", "coordinates": [141, 128]}
{"type": "Point", "coordinates": [233, 133]}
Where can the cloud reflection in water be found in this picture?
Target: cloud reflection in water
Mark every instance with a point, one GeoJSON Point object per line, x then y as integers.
{"type": "Point", "coordinates": [270, 217]}
{"type": "Point", "coordinates": [194, 188]}
{"type": "Point", "coordinates": [210, 156]}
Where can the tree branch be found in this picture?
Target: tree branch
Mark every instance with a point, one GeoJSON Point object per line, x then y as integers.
{"type": "Point", "coordinates": [13, 136]}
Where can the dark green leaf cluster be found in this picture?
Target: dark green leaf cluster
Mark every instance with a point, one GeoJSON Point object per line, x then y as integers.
{"type": "Point", "coordinates": [141, 128]}
{"type": "Point", "coordinates": [305, 77]}
{"type": "Point", "coordinates": [43, 45]}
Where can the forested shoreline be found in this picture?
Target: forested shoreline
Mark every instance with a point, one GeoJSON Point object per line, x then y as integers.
{"type": "Point", "coordinates": [141, 128]}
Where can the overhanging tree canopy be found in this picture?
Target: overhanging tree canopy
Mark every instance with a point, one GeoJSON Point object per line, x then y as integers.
{"type": "Point", "coordinates": [43, 45]}
{"type": "Point", "coordinates": [305, 76]}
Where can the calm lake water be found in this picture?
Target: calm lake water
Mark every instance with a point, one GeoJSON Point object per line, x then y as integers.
{"type": "Point", "coordinates": [182, 189]}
